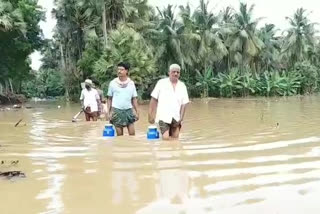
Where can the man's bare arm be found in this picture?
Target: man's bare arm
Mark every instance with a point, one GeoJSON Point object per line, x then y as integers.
{"type": "Point", "coordinates": [152, 110]}
{"type": "Point", "coordinates": [135, 106]}
{"type": "Point", "coordinates": [109, 103]}
{"type": "Point", "coordinates": [183, 111]}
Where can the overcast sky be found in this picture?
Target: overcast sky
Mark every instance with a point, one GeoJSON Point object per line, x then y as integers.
{"type": "Point", "coordinates": [273, 11]}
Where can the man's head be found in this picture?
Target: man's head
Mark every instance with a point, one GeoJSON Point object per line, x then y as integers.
{"type": "Point", "coordinates": [96, 84]}
{"type": "Point", "coordinates": [88, 83]}
{"type": "Point", "coordinates": [174, 72]}
{"type": "Point", "coordinates": [123, 69]}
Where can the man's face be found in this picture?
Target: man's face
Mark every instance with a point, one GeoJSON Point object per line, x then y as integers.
{"type": "Point", "coordinates": [87, 85]}
{"type": "Point", "coordinates": [174, 74]}
{"type": "Point", "coordinates": [122, 72]}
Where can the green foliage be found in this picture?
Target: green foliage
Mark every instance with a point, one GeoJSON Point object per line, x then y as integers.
{"type": "Point", "coordinates": [20, 35]}
{"type": "Point", "coordinates": [224, 54]}
{"type": "Point", "coordinates": [166, 39]}
{"type": "Point", "coordinates": [300, 37]}
{"type": "Point", "coordinates": [205, 82]}
{"type": "Point", "coordinates": [49, 84]}
{"type": "Point", "coordinates": [229, 83]}
{"type": "Point", "coordinates": [127, 45]}
{"type": "Point", "coordinates": [268, 83]}
{"type": "Point", "coordinates": [271, 82]}
{"type": "Point", "coordinates": [290, 84]}
{"type": "Point", "coordinates": [250, 83]}
{"type": "Point", "coordinates": [242, 39]}
{"type": "Point", "coordinates": [269, 57]}
{"type": "Point", "coordinates": [310, 76]}
{"type": "Point", "coordinates": [90, 56]}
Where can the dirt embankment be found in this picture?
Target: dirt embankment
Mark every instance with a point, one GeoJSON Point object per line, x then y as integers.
{"type": "Point", "coordinates": [9, 99]}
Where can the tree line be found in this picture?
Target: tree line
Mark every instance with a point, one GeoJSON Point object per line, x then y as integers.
{"type": "Point", "coordinates": [223, 54]}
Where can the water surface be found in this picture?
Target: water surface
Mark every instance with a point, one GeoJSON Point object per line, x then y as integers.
{"type": "Point", "coordinates": [253, 155]}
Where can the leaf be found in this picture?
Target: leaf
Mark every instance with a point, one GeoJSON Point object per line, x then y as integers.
{"type": "Point", "coordinates": [244, 34]}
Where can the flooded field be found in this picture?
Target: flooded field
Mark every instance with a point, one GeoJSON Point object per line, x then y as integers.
{"type": "Point", "coordinates": [248, 156]}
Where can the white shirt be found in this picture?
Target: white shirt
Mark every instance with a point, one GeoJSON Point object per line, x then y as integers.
{"type": "Point", "coordinates": [169, 99]}
{"type": "Point", "coordinates": [90, 99]}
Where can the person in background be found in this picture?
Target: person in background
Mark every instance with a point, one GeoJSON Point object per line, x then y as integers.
{"type": "Point", "coordinates": [90, 101]}
{"type": "Point", "coordinates": [104, 111]}
{"type": "Point", "coordinates": [168, 104]}
{"type": "Point", "coordinates": [96, 85]}
{"type": "Point", "coordinates": [122, 101]}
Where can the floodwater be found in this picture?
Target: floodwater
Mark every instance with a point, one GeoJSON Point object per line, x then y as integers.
{"type": "Point", "coordinates": [253, 155]}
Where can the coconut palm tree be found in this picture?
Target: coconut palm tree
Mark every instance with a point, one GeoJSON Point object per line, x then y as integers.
{"type": "Point", "coordinates": [189, 38]}
{"type": "Point", "coordinates": [243, 42]}
{"type": "Point", "coordinates": [70, 30]}
{"type": "Point", "coordinates": [269, 55]}
{"type": "Point", "coordinates": [126, 45]}
{"type": "Point", "coordinates": [210, 48]}
{"type": "Point", "coordinates": [300, 37]}
{"type": "Point", "coordinates": [165, 39]}
{"type": "Point", "coordinates": [108, 13]}
{"type": "Point", "coordinates": [227, 15]}
{"type": "Point", "coordinates": [11, 18]}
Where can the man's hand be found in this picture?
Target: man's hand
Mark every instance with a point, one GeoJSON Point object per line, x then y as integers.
{"type": "Point", "coordinates": [136, 116]}
{"type": "Point", "coordinates": [151, 119]}
{"type": "Point", "coordinates": [152, 110]}
{"type": "Point", "coordinates": [109, 115]}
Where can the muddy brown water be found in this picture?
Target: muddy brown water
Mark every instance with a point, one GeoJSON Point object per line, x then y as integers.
{"type": "Point", "coordinates": [253, 155]}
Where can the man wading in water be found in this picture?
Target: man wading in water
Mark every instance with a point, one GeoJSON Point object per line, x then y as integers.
{"type": "Point", "coordinates": [122, 99]}
{"type": "Point", "coordinates": [169, 99]}
{"type": "Point", "coordinates": [90, 101]}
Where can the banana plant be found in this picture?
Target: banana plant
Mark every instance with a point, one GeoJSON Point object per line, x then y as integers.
{"type": "Point", "coordinates": [250, 83]}
{"type": "Point", "coordinates": [271, 82]}
{"type": "Point", "coordinates": [290, 84]}
{"type": "Point", "coordinates": [229, 83]}
{"type": "Point", "coordinates": [205, 81]}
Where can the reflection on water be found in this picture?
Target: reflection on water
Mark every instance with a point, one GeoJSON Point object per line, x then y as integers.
{"type": "Point", "coordinates": [124, 178]}
{"type": "Point", "coordinates": [172, 180]}
{"type": "Point", "coordinates": [234, 156]}
{"type": "Point", "coordinates": [46, 154]}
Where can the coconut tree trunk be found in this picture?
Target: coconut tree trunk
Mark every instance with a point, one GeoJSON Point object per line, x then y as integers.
{"type": "Point", "coordinates": [64, 69]}
{"type": "Point", "coordinates": [104, 26]}
{"type": "Point", "coordinates": [11, 87]}
{"type": "Point", "coordinates": [63, 64]}
{"type": "Point", "coordinates": [229, 62]}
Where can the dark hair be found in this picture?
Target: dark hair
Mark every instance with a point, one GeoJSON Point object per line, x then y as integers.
{"type": "Point", "coordinates": [96, 82]}
{"type": "Point", "coordinates": [126, 65]}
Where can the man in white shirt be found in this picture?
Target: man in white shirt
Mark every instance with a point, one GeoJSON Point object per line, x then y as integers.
{"type": "Point", "coordinates": [90, 100]}
{"type": "Point", "coordinates": [168, 103]}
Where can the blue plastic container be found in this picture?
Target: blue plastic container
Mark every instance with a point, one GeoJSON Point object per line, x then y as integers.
{"type": "Point", "coordinates": [108, 131]}
{"type": "Point", "coordinates": [152, 133]}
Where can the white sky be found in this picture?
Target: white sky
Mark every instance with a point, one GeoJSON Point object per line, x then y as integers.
{"type": "Point", "coordinates": [273, 11]}
{"type": "Point", "coordinates": [47, 28]}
